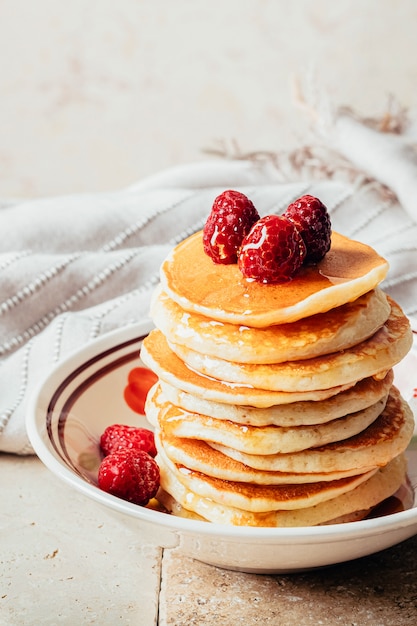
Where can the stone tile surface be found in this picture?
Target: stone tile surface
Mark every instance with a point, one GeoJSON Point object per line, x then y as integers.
{"type": "Point", "coordinates": [65, 560]}
{"type": "Point", "coordinates": [380, 590]}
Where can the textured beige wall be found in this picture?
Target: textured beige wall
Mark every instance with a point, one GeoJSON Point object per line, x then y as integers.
{"type": "Point", "coordinates": [96, 94]}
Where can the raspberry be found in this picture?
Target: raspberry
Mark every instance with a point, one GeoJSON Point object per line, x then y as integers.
{"type": "Point", "coordinates": [132, 475]}
{"type": "Point", "coordinates": [231, 218]}
{"type": "Point", "coordinates": [121, 437]}
{"type": "Point", "coordinates": [139, 381]}
{"type": "Point", "coordinates": [312, 221]}
{"type": "Point", "coordinates": [273, 250]}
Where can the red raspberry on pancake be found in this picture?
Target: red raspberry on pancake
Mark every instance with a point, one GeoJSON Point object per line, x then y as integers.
{"type": "Point", "coordinates": [231, 218]}
{"type": "Point", "coordinates": [312, 220]}
{"type": "Point", "coordinates": [273, 250]}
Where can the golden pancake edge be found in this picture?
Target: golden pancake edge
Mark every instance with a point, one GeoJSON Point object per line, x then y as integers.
{"type": "Point", "coordinates": [376, 354]}
{"type": "Point", "coordinates": [221, 293]}
{"type": "Point", "coordinates": [384, 483]}
{"type": "Point", "coordinates": [324, 333]}
{"type": "Point", "coordinates": [263, 440]}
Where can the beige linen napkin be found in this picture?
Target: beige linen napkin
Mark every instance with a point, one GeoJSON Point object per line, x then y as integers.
{"type": "Point", "coordinates": [73, 268]}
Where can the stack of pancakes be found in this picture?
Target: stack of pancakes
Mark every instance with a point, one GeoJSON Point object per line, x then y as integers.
{"type": "Point", "coordinates": [275, 404]}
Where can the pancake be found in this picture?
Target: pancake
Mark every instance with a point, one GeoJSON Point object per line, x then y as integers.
{"type": "Point", "coordinates": [262, 498]}
{"type": "Point", "coordinates": [377, 354]}
{"type": "Point", "coordinates": [263, 440]}
{"type": "Point", "coordinates": [156, 354]}
{"type": "Point", "coordinates": [388, 436]}
{"type": "Point", "coordinates": [320, 334]}
{"type": "Point", "coordinates": [198, 455]}
{"type": "Point", "coordinates": [220, 292]}
{"type": "Point", "coordinates": [362, 395]}
{"type": "Point", "coordinates": [384, 483]}
{"type": "Point", "coordinates": [275, 404]}
{"type": "Point", "coordinates": [174, 508]}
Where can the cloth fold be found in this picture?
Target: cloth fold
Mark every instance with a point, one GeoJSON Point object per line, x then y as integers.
{"type": "Point", "coordinates": [76, 267]}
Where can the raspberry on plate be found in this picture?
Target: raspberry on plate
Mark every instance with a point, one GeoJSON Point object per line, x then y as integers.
{"type": "Point", "coordinates": [312, 220]}
{"type": "Point", "coordinates": [231, 218]}
{"type": "Point", "coordinates": [272, 251]}
{"type": "Point", "coordinates": [132, 475]}
{"type": "Point", "coordinates": [121, 437]}
{"type": "Point", "coordinates": [139, 381]}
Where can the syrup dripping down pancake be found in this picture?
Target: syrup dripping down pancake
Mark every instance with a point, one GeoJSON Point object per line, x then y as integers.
{"type": "Point", "coordinates": [190, 278]}
{"type": "Point", "coordinates": [319, 334]}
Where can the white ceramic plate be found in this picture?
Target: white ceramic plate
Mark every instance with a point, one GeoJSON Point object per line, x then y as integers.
{"type": "Point", "coordinates": [84, 394]}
